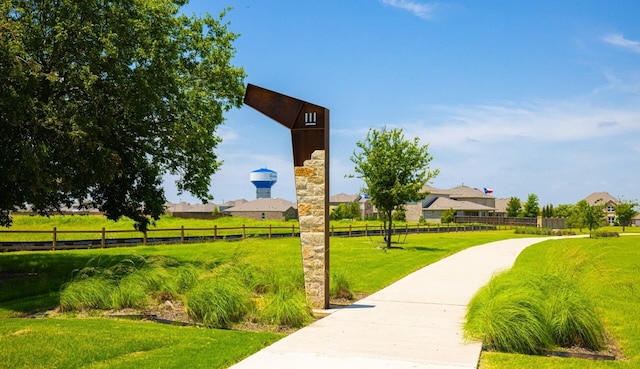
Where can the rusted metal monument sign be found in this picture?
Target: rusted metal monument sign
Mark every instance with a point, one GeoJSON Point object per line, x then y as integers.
{"type": "Point", "coordinates": [309, 125]}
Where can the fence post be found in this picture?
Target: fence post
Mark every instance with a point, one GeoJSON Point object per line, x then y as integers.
{"type": "Point", "coordinates": [182, 234]}
{"type": "Point", "coordinates": [366, 228]}
{"type": "Point", "coordinates": [144, 238]}
{"type": "Point", "coordinates": [215, 232]}
{"type": "Point", "coordinates": [293, 230]}
{"type": "Point", "coordinates": [244, 232]}
{"type": "Point", "coordinates": [103, 239]}
{"type": "Point", "coordinates": [55, 238]}
{"type": "Point", "coordinates": [269, 231]}
{"type": "Point", "coordinates": [349, 230]}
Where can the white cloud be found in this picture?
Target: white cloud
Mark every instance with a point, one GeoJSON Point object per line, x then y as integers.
{"type": "Point", "coordinates": [620, 41]}
{"type": "Point", "coordinates": [424, 11]}
{"type": "Point", "coordinates": [465, 127]}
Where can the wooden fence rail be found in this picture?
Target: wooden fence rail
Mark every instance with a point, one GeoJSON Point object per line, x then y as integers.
{"type": "Point", "coordinates": [57, 239]}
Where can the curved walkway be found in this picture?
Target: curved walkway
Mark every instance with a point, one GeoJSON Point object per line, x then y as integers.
{"type": "Point", "coordinates": [414, 323]}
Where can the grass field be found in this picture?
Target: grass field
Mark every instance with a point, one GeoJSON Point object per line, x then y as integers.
{"type": "Point", "coordinates": [609, 270]}
{"type": "Point", "coordinates": [31, 281]}
{"type": "Point", "coordinates": [36, 278]}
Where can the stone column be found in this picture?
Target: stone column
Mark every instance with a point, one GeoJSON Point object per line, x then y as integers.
{"type": "Point", "coordinates": [311, 192]}
{"type": "Point", "coordinates": [309, 126]}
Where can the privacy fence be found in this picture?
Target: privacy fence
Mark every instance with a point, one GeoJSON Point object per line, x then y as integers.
{"type": "Point", "coordinates": [56, 239]}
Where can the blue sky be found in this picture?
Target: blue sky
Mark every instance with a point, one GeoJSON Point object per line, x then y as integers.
{"type": "Point", "coordinates": [537, 97]}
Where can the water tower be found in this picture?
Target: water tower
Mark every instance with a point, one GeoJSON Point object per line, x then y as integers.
{"type": "Point", "coordinates": [263, 179]}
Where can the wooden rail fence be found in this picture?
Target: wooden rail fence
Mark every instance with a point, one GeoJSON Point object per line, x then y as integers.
{"type": "Point", "coordinates": [57, 239]}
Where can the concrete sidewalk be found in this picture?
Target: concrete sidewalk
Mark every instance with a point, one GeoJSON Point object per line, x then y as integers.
{"type": "Point", "coordinates": [414, 323]}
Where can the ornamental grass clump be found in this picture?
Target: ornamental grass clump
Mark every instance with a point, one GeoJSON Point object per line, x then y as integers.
{"type": "Point", "coordinates": [218, 302]}
{"type": "Point", "coordinates": [286, 308]}
{"type": "Point", "coordinates": [130, 283]}
{"type": "Point", "coordinates": [571, 317]}
{"type": "Point", "coordinates": [340, 287]}
{"type": "Point", "coordinates": [506, 315]}
{"type": "Point", "coordinates": [529, 313]}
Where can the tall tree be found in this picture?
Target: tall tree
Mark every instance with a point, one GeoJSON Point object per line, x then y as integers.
{"type": "Point", "coordinates": [563, 210]}
{"type": "Point", "coordinates": [531, 208]}
{"type": "Point", "coordinates": [625, 211]}
{"type": "Point", "coordinates": [513, 207]}
{"type": "Point", "coordinates": [394, 171]}
{"type": "Point", "coordinates": [99, 99]}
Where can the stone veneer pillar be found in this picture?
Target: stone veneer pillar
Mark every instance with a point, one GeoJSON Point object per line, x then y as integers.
{"type": "Point", "coordinates": [314, 236]}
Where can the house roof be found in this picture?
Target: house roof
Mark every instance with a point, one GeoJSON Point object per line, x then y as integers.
{"type": "Point", "coordinates": [501, 204]}
{"type": "Point", "coordinates": [458, 192]}
{"type": "Point", "coordinates": [443, 203]}
{"type": "Point", "coordinates": [231, 203]}
{"type": "Point", "coordinates": [185, 207]}
{"type": "Point", "coordinates": [344, 198]}
{"type": "Point", "coordinates": [433, 191]}
{"type": "Point", "coordinates": [605, 196]}
{"type": "Point", "coordinates": [264, 204]}
{"type": "Point", "coordinates": [462, 192]}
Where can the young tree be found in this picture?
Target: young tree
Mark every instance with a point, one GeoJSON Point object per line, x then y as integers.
{"type": "Point", "coordinates": [394, 171]}
{"type": "Point", "coordinates": [99, 99]}
{"type": "Point", "coordinates": [346, 211]}
{"type": "Point", "coordinates": [593, 216]}
{"type": "Point", "coordinates": [531, 207]}
{"type": "Point", "coordinates": [577, 216]}
{"type": "Point", "coordinates": [513, 207]}
{"type": "Point", "coordinates": [448, 216]}
{"type": "Point", "coordinates": [625, 211]}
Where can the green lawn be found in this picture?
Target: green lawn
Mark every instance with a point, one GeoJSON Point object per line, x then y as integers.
{"type": "Point", "coordinates": [610, 272]}
{"type": "Point", "coordinates": [73, 342]}
{"type": "Point", "coordinates": [101, 343]}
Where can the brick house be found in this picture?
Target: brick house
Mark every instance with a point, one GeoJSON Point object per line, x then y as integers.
{"type": "Point", "coordinates": [265, 208]}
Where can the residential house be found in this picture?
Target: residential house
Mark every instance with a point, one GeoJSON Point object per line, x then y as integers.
{"type": "Point", "coordinates": [607, 201]}
{"type": "Point", "coordinates": [192, 211]}
{"type": "Point", "coordinates": [366, 208]}
{"type": "Point", "coordinates": [265, 209]}
{"type": "Point", "coordinates": [466, 201]}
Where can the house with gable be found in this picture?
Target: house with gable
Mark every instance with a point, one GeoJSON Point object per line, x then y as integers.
{"type": "Point", "coordinates": [265, 208]}
{"type": "Point", "coordinates": [366, 208]}
{"type": "Point", "coordinates": [607, 201]}
{"type": "Point", "coordinates": [466, 201]}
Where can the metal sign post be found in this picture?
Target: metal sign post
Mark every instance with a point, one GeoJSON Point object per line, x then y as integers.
{"type": "Point", "coordinates": [309, 126]}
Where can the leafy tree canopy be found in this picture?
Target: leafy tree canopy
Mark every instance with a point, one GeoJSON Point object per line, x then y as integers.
{"type": "Point", "coordinates": [346, 211]}
{"type": "Point", "coordinates": [394, 171]}
{"type": "Point", "coordinates": [448, 216]}
{"type": "Point", "coordinates": [625, 211]}
{"type": "Point", "coordinates": [99, 99]}
{"type": "Point", "coordinates": [513, 207]}
{"type": "Point", "coordinates": [531, 208]}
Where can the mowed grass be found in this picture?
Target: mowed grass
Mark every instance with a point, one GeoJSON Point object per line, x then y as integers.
{"type": "Point", "coordinates": [101, 343]}
{"type": "Point", "coordinates": [609, 273]}
{"type": "Point", "coordinates": [36, 279]}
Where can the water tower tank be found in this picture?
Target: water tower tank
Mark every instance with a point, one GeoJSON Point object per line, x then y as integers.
{"type": "Point", "coordinates": [263, 179]}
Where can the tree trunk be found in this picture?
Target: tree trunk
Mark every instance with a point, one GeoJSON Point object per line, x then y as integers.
{"type": "Point", "coordinates": [388, 231]}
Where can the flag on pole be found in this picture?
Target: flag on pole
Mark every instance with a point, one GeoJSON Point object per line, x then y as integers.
{"type": "Point", "coordinates": [488, 190]}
